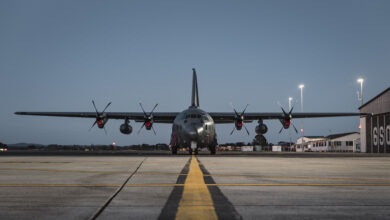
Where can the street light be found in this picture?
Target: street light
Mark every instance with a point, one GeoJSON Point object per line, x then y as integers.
{"type": "Point", "coordinates": [361, 80]}
{"type": "Point", "coordinates": [301, 86]}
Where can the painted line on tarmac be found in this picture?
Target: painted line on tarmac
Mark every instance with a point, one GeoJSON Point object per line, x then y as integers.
{"type": "Point", "coordinates": [182, 185]}
{"type": "Point", "coordinates": [304, 178]}
{"type": "Point", "coordinates": [37, 162]}
{"type": "Point", "coordinates": [196, 201]}
{"type": "Point", "coordinates": [61, 171]}
{"type": "Point", "coordinates": [274, 177]}
{"type": "Point", "coordinates": [298, 184]}
{"type": "Point", "coordinates": [213, 175]}
{"type": "Point", "coordinates": [101, 209]}
{"type": "Point", "coordinates": [59, 185]}
{"type": "Point", "coordinates": [172, 204]}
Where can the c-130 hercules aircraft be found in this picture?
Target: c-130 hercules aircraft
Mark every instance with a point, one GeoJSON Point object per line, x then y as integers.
{"type": "Point", "coordinates": [193, 128]}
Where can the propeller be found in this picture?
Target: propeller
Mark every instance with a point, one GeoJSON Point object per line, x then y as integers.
{"type": "Point", "coordinates": [239, 119]}
{"type": "Point", "coordinates": [100, 118]}
{"type": "Point", "coordinates": [287, 117]}
{"type": "Point", "coordinates": [148, 119]}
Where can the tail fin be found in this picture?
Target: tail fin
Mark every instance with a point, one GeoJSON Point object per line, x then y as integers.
{"type": "Point", "coordinates": [195, 97]}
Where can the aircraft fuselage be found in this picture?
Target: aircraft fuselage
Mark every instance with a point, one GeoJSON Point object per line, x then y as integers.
{"type": "Point", "coordinates": [193, 128]}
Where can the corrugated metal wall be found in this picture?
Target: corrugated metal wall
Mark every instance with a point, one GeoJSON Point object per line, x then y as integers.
{"type": "Point", "coordinates": [378, 125]}
{"type": "Point", "coordinates": [378, 133]}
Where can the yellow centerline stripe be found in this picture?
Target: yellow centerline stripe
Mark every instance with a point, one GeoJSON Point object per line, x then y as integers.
{"type": "Point", "coordinates": [183, 185]}
{"type": "Point", "coordinates": [196, 201]}
{"type": "Point", "coordinates": [215, 175]}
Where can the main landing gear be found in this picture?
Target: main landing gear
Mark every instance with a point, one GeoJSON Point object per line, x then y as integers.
{"type": "Point", "coordinates": [212, 150]}
{"type": "Point", "coordinates": [174, 150]}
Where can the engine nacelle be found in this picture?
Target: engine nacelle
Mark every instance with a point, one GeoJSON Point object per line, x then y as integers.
{"type": "Point", "coordinates": [148, 125]}
{"type": "Point", "coordinates": [101, 122]}
{"type": "Point", "coordinates": [261, 129]}
{"type": "Point", "coordinates": [285, 123]}
{"type": "Point", "coordinates": [238, 125]}
{"type": "Point", "coordinates": [126, 128]}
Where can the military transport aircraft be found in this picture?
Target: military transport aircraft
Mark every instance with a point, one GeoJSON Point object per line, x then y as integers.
{"type": "Point", "coordinates": [193, 127]}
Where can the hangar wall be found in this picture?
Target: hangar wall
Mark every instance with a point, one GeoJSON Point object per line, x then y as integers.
{"type": "Point", "coordinates": [375, 129]}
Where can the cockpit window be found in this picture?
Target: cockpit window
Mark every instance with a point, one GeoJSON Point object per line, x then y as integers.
{"type": "Point", "coordinates": [193, 116]}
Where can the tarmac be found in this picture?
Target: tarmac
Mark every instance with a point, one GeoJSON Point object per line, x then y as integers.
{"type": "Point", "coordinates": [194, 187]}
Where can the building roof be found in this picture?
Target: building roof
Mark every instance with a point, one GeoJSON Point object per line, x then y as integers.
{"type": "Point", "coordinates": [386, 90]}
{"type": "Point", "coordinates": [334, 136]}
{"type": "Point", "coordinates": [314, 136]}
{"type": "Point", "coordinates": [331, 136]}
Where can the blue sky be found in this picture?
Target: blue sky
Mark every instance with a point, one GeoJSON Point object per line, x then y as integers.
{"type": "Point", "coordinates": [59, 55]}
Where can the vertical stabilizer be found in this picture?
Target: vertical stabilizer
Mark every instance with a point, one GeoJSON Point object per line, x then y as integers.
{"type": "Point", "coordinates": [195, 97]}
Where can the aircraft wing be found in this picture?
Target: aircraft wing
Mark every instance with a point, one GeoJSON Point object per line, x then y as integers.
{"type": "Point", "coordinates": [223, 117]}
{"type": "Point", "coordinates": [158, 117]}
{"type": "Point", "coordinates": [168, 117]}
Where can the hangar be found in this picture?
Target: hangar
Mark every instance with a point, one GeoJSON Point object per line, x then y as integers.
{"type": "Point", "coordinates": [375, 129]}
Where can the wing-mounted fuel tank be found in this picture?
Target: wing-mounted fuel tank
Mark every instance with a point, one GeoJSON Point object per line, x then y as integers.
{"type": "Point", "coordinates": [126, 128]}
{"type": "Point", "coordinates": [261, 128]}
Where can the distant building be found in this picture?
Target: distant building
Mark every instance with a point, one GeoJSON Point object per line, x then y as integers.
{"type": "Point", "coordinates": [375, 129]}
{"type": "Point", "coordinates": [304, 143]}
{"type": "Point", "coordinates": [247, 148]}
{"type": "Point", "coordinates": [344, 142]}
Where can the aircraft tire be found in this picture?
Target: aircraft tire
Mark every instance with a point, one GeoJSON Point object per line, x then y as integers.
{"type": "Point", "coordinates": [174, 150]}
{"type": "Point", "coordinates": [212, 150]}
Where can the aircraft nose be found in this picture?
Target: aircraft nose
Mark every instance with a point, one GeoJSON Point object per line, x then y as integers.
{"type": "Point", "coordinates": [193, 132]}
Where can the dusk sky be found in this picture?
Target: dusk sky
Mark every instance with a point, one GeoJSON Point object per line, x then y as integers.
{"type": "Point", "coordinates": [59, 55]}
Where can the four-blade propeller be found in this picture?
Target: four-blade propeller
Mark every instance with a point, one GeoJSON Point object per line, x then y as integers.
{"type": "Point", "coordinates": [100, 117]}
{"type": "Point", "coordinates": [148, 119]}
{"type": "Point", "coordinates": [286, 119]}
{"type": "Point", "coordinates": [239, 120]}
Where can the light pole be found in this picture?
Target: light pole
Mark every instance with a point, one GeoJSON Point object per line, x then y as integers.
{"type": "Point", "coordinates": [301, 86]}
{"type": "Point", "coordinates": [361, 80]}
{"type": "Point", "coordinates": [289, 109]}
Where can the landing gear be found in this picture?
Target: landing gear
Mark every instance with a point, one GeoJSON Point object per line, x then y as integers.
{"type": "Point", "coordinates": [195, 151]}
{"type": "Point", "coordinates": [174, 150]}
{"type": "Point", "coordinates": [261, 140]}
{"type": "Point", "coordinates": [212, 150]}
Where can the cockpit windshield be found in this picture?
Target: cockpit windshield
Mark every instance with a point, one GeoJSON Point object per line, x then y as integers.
{"type": "Point", "coordinates": [193, 116]}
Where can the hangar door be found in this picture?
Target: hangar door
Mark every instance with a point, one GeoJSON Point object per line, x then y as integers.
{"type": "Point", "coordinates": [378, 133]}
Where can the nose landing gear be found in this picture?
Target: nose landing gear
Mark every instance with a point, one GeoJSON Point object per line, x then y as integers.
{"type": "Point", "coordinates": [193, 148]}
{"type": "Point", "coordinates": [190, 151]}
